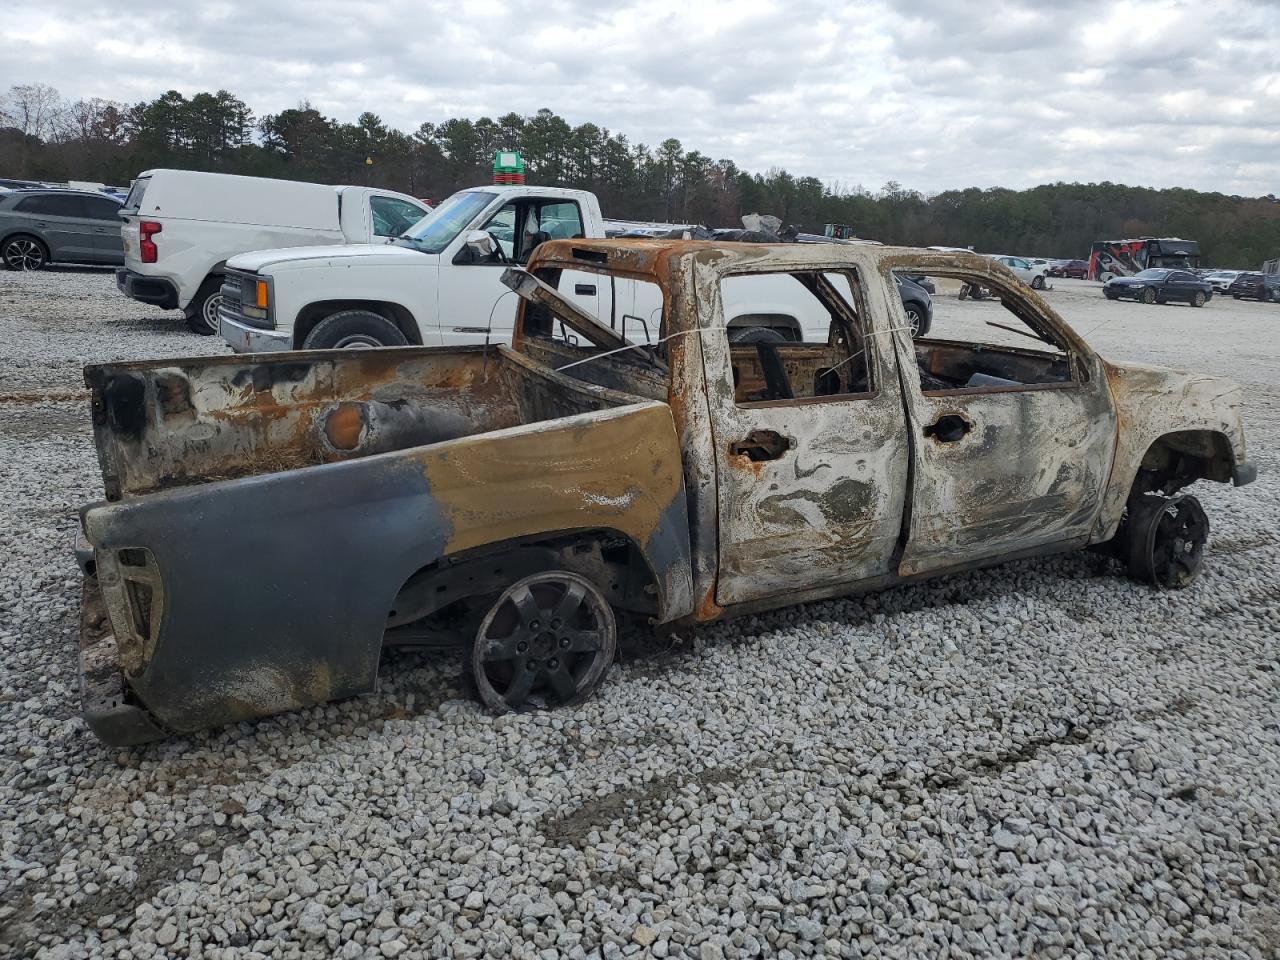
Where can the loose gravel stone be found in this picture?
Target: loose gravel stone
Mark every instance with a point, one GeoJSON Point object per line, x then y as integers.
{"type": "Point", "coordinates": [1038, 759]}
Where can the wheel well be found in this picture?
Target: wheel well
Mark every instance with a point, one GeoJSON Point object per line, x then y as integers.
{"type": "Point", "coordinates": [313, 313]}
{"type": "Point", "coordinates": [30, 236]}
{"type": "Point", "coordinates": [1182, 457]}
{"type": "Point", "coordinates": [611, 560]}
{"type": "Point", "coordinates": [784, 323]}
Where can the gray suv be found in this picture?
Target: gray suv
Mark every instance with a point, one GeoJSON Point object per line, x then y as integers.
{"type": "Point", "coordinates": [38, 227]}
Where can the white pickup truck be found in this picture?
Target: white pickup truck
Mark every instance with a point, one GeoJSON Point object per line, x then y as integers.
{"type": "Point", "coordinates": [181, 227]}
{"type": "Point", "coordinates": [440, 283]}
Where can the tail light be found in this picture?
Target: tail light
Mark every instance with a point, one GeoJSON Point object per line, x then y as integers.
{"type": "Point", "coordinates": [146, 230]}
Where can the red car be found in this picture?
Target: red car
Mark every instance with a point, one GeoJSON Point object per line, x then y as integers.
{"type": "Point", "coordinates": [1069, 268]}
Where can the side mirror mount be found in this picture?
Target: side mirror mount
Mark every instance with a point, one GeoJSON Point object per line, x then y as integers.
{"type": "Point", "coordinates": [480, 243]}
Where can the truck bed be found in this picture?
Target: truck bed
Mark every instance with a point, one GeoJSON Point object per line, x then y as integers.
{"type": "Point", "coordinates": [167, 423]}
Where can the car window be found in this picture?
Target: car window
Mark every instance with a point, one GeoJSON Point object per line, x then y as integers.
{"type": "Point", "coordinates": [502, 227]}
{"type": "Point", "coordinates": [795, 336]}
{"type": "Point", "coordinates": [560, 221]}
{"type": "Point", "coordinates": [987, 338]}
{"type": "Point", "coordinates": [102, 208]}
{"type": "Point", "coordinates": [47, 204]}
{"type": "Point", "coordinates": [392, 216]}
{"type": "Point", "coordinates": [136, 192]}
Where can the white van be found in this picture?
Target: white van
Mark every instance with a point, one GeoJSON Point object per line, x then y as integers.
{"type": "Point", "coordinates": [180, 228]}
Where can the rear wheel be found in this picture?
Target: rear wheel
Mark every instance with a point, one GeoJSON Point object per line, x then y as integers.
{"type": "Point", "coordinates": [352, 329]}
{"type": "Point", "coordinates": [547, 640]}
{"type": "Point", "coordinates": [202, 311]}
{"type": "Point", "coordinates": [24, 253]}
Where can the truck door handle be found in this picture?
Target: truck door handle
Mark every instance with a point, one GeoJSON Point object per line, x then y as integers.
{"type": "Point", "coordinates": [948, 428]}
{"type": "Point", "coordinates": [761, 445]}
{"type": "Point", "coordinates": [584, 289]}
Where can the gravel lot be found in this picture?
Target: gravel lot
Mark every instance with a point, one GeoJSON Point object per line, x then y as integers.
{"type": "Point", "coordinates": [1042, 759]}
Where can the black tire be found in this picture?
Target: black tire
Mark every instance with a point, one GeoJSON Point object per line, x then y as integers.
{"type": "Point", "coordinates": [202, 311]}
{"type": "Point", "coordinates": [352, 329]}
{"type": "Point", "coordinates": [1037, 283]}
{"type": "Point", "coordinates": [1165, 539]}
{"type": "Point", "coordinates": [548, 637]}
{"type": "Point", "coordinates": [1197, 299]}
{"type": "Point", "coordinates": [24, 252]}
{"type": "Point", "coordinates": [1149, 296]}
{"type": "Point", "coordinates": [1235, 296]}
{"type": "Point", "coordinates": [755, 335]}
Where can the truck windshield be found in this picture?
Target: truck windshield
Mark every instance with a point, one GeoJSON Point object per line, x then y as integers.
{"type": "Point", "coordinates": [437, 229]}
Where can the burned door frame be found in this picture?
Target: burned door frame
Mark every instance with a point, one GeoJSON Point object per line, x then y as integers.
{"type": "Point", "coordinates": [826, 510]}
{"type": "Point", "coordinates": [1027, 467]}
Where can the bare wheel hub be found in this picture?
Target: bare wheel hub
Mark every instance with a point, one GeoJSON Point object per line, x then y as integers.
{"type": "Point", "coordinates": [548, 639]}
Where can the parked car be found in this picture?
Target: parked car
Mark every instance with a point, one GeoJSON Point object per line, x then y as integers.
{"type": "Point", "coordinates": [440, 282]}
{"type": "Point", "coordinates": [1160, 285]}
{"type": "Point", "coordinates": [916, 303]}
{"type": "Point", "coordinates": [39, 227]}
{"type": "Point", "coordinates": [1254, 286]}
{"type": "Point", "coordinates": [1076, 269]}
{"type": "Point", "coordinates": [1032, 276]}
{"type": "Point", "coordinates": [924, 283]}
{"type": "Point", "coordinates": [284, 518]}
{"type": "Point", "coordinates": [1220, 280]}
{"type": "Point", "coordinates": [181, 227]}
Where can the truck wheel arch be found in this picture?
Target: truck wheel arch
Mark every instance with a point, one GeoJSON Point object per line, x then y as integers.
{"type": "Point", "coordinates": [1176, 459]}
{"type": "Point", "coordinates": [613, 561]}
{"type": "Point", "coordinates": [313, 313]}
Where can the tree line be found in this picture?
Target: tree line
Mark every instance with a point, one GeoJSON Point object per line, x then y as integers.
{"type": "Point", "coordinates": [45, 137]}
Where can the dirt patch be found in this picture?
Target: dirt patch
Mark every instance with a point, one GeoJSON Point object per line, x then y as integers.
{"type": "Point", "coordinates": [634, 804]}
{"type": "Point", "coordinates": [35, 423]}
{"type": "Point", "coordinates": [157, 867]}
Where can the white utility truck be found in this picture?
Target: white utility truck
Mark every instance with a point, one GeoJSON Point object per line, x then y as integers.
{"type": "Point", "coordinates": [181, 227]}
{"type": "Point", "coordinates": [440, 283]}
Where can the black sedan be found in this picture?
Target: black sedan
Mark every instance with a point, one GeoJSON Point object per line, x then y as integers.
{"type": "Point", "coordinates": [1158, 285]}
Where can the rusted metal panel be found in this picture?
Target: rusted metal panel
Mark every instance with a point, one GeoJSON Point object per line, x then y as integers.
{"type": "Point", "coordinates": [1151, 402]}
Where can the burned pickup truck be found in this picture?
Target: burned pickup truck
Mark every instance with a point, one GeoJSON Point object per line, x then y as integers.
{"type": "Point", "coordinates": [271, 523]}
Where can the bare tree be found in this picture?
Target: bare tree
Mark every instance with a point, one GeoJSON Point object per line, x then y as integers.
{"type": "Point", "coordinates": [33, 108]}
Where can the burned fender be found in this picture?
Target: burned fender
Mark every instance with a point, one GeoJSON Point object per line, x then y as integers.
{"type": "Point", "coordinates": [1195, 414]}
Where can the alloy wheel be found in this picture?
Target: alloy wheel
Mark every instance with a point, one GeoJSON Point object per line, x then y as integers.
{"type": "Point", "coordinates": [549, 637]}
{"type": "Point", "coordinates": [23, 254]}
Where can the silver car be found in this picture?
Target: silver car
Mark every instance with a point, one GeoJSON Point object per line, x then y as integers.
{"type": "Point", "coordinates": [38, 227]}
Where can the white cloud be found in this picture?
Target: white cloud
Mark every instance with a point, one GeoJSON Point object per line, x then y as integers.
{"type": "Point", "coordinates": [1009, 93]}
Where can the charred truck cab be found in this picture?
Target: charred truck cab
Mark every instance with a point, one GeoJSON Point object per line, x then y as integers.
{"type": "Point", "coordinates": [272, 522]}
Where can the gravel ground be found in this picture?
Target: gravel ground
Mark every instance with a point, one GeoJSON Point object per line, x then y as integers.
{"type": "Point", "coordinates": [1042, 759]}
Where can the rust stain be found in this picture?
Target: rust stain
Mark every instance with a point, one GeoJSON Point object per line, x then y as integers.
{"type": "Point", "coordinates": [344, 425]}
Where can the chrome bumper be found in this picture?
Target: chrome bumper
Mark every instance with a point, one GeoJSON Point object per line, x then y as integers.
{"type": "Point", "coordinates": [246, 339]}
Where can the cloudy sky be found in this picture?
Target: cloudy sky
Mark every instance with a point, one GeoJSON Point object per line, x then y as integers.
{"type": "Point", "coordinates": [933, 94]}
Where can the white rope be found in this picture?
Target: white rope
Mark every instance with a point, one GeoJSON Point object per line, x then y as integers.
{"type": "Point", "coordinates": [685, 333]}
